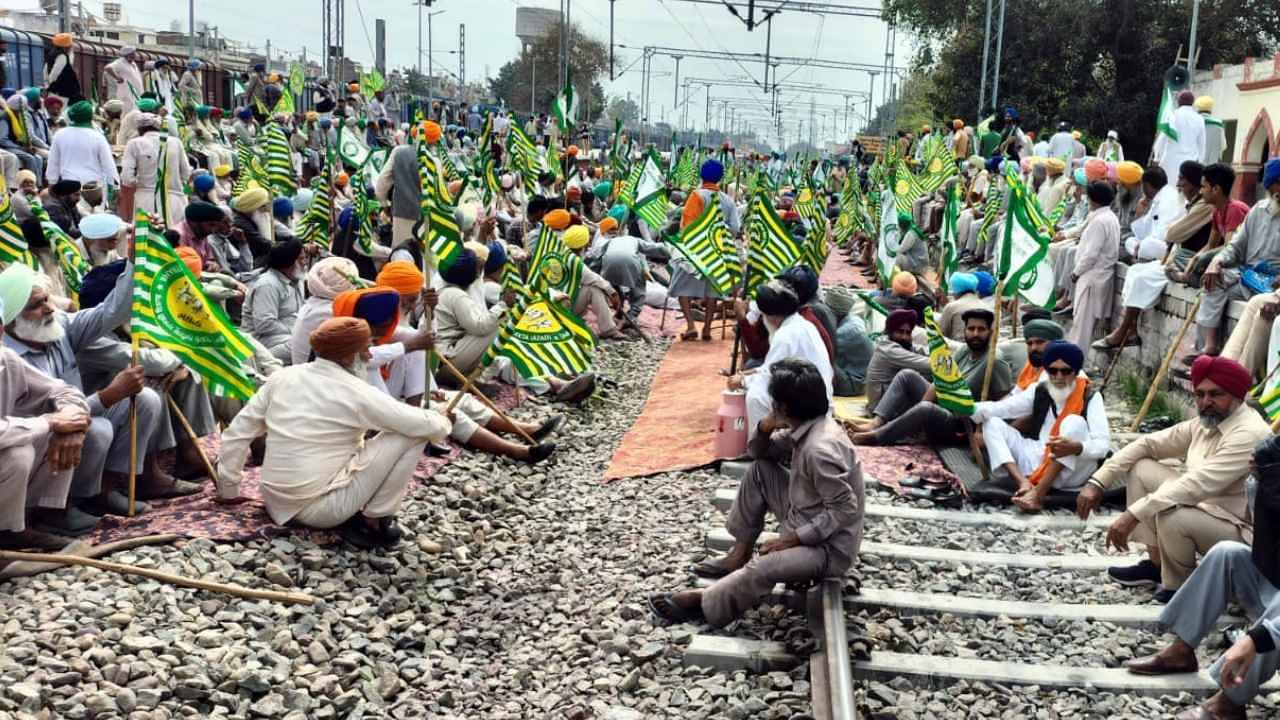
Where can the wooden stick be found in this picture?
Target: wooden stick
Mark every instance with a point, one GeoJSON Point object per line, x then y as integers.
{"type": "Point", "coordinates": [124, 569]}
{"type": "Point", "coordinates": [1164, 366]}
{"type": "Point", "coordinates": [428, 319]}
{"type": "Point", "coordinates": [995, 339]}
{"type": "Point", "coordinates": [186, 426]}
{"type": "Point", "coordinates": [82, 548]}
{"type": "Point", "coordinates": [1115, 360]}
{"type": "Point", "coordinates": [483, 398]}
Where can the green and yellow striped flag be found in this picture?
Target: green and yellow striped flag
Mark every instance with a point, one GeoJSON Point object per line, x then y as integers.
{"type": "Point", "coordinates": [546, 339]}
{"type": "Point", "coordinates": [13, 245]}
{"type": "Point", "coordinates": [364, 209]}
{"type": "Point", "coordinates": [440, 232]}
{"type": "Point", "coordinates": [708, 245]}
{"type": "Point", "coordinates": [939, 165]}
{"type": "Point", "coordinates": [171, 311]}
{"type": "Point", "coordinates": [560, 271]}
{"type": "Point", "coordinates": [770, 248]}
{"type": "Point", "coordinates": [279, 164]}
{"type": "Point", "coordinates": [548, 243]}
{"type": "Point", "coordinates": [314, 225]}
{"type": "Point", "coordinates": [906, 187]}
{"type": "Point", "coordinates": [70, 260]}
{"type": "Point", "coordinates": [948, 382]}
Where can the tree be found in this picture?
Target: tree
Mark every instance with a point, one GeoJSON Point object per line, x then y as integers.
{"type": "Point", "coordinates": [624, 109]}
{"type": "Point", "coordinates": [1098, 64]}
{"type": "Point", "coordinates": [536, 69]}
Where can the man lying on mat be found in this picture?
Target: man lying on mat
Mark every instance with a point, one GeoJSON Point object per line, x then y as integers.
{"type": "Point", "coordinates": [818, 503]}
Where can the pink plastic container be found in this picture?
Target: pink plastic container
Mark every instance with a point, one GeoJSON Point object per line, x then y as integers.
{"type": "Point", "coordinates": [731, 424]}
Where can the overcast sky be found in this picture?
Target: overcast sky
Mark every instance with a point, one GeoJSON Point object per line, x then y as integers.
{"type": "Point", "coordinates": [491, 40]}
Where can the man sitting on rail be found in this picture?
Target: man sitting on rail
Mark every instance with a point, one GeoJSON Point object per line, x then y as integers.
{"type": "Point", "coordinates": [1230, 571]}
{"type": "Point", "coordinates": [1069, 422]}
{"type": "Point", "coordinates": [1179, 515]}
{"type": "Point", "coordinates": [818, 503]}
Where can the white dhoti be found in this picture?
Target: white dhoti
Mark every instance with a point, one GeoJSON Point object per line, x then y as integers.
{"type": "Point", "coordinates": [144, 198]}
{"type": "Point", "coordinates": [1006, 445]}
{"type": "Point", "coordinates": [1143, 284]}
{"type": "Point", "coordinates": [379, 475]}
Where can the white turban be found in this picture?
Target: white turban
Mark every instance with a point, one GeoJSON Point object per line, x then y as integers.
{"type": "Point", "coordinates": [127, 50]}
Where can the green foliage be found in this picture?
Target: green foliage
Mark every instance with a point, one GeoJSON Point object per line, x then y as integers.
{"type": "Point", "coordinates": [588, 60]}
{"type": "Point", "coordinates": [1097, 63]}
{"type": "Point", "coordinates": [1134, 386]}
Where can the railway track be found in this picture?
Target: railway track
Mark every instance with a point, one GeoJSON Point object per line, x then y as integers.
{"type": "Point", "coordinates": [925, 630]}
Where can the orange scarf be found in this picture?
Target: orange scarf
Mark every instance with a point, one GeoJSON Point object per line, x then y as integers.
{"type": "Point", "coordinates": [1029, 375]}
{"type": "Point", "coordinates": [1073, 406]}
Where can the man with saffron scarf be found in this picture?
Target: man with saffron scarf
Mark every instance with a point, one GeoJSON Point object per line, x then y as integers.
{"type": "Point", "coordinates": [1069, 422]}
{"type": "Point", "coordinates": [1179, 514]}
{"type": "Point", "coordinates": [1038, 334]}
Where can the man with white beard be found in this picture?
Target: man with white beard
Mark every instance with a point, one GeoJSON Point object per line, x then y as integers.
{"type": "Point", "coordinates": [321, 471]}
{"type": "Point", "coordinates": [273, 302]}
{"type": "Point", "coordinates": [1069, 419]}
{"type": "Point", "coordinates": [49, 340]}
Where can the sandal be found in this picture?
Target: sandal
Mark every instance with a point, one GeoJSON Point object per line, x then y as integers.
{"type": "Point", "coordinates": [710, 569]}
{"type": "Point", "coordinates": [691, 335]}
{"type": "Point", "coordinates": [664, 607]}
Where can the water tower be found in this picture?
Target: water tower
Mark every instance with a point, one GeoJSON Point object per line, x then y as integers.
{"type": "Point", "coordinates": [533, 23]}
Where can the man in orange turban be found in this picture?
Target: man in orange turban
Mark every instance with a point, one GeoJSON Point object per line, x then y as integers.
{"type": "Point", "coordinates": [406, 279]}
{"type": "Point", "coordinates": [320, 470]}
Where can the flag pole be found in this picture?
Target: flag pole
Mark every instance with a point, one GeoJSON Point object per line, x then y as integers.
{"type": "Point", "coordinates": [1164, 366]}
{"type": "Point", "coordinates": [133, 399]}
{"type": "Point", "coordinates": [995, 339]}
{"type": "Point", "coordinates": [186, 427]}
{"type": "Point", "coordinates": [468, 386]}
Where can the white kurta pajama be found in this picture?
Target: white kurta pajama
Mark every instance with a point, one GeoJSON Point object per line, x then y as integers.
{"type": "Point", "coordinates": [1005, 444]}
{"type": "Point", "coordinates": [796, 337]}
{"type": "Point", "coordinates": [319, 468]}
{"type": "Point", "coordinates": [139, 168]}
{"type": "Point", "coordinates": [1170, 153]}
{"type": "Point", "coordinates": [1094, 268]}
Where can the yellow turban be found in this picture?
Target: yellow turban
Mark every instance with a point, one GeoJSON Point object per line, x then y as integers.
{"type": "Point", "coordinates": [1129, 172]}
{"type": "Point", "coordinates": [1055, 165]}
{"type": "Point", "coordinates": [1075, 134]}
{"type": "Point", "coordinates": [251, 200]}
{"type": "Point", "coordinates": [222, 170]}
{"type": "Point", "coordinates": [576, 237]}
{"type": "Point", "coordinates": [401, 276]}
{"type": "Point", "coordinates": [1204, 103]}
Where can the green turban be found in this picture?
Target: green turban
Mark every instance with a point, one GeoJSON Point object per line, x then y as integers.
{"type": "Point", "coordinates": [148, 105]}
{"type": "Point", "coordinates": [602, 190]}
{"type": "Point", "coordinates": [904, 218]}
{"type": "Point", "coordinates": [202, 111]}
{"type": "Point", "coordinates": [81, 112]}
{"type": "Point", "coordinates": [1043, 329]}
{"type": "Point", "coordinates": [32, 93]}
{"type": "Point", "coordinates": [619, 213]}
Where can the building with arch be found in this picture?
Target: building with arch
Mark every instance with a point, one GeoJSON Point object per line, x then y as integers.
{"type": "Point", "coordinates": [1247, 100]}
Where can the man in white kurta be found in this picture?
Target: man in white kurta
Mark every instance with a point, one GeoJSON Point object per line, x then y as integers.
{"type": "Point", "coordinates": [126, 79]}
{"type": "Point", "coordinates": [319, 469]}
{"type": "Point", "coordinates": [140, 169]}
{"type": "Point", "coordinates": [1094, 269]}
{"type": "Point", "coordinates": [1188, 126]}
{"type": "Point", "coordinates": [790, 335]}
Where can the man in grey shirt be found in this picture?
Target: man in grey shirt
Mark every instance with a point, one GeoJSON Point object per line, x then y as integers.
{"type": "Point", "coordinates": [274, 300]}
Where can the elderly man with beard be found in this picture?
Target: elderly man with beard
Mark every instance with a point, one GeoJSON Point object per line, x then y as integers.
{"type": "Point", "coordinates": [274, 300]}
{"type": "Point", "coordinates": [1058, 431]}
{"type": "Point", "coordinates": [50, 340]}
{"type": "Point", "coordinates": [320, 470]}
{"type": "Point", "coordinates": [1231, 573]}
{"type": "Point", "coordinates": [908, 406]}
{"type": "Point", "coordinates": [251, 215]}
{"type": "Point", "coordinates": [100, 238]}
{"type": "Point", "coordinates": [790, 336]}
{"type": "Point", "coordinates": [1181, 514]}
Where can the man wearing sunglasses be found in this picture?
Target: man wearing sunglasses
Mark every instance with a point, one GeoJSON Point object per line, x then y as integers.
{"type": "Point", "coordinates": [1180, 514]}
{"type": "Point", "coordinates": [1052, 437]}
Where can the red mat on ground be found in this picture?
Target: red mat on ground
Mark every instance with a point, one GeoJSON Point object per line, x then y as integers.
{"type": "Point", "coordinates": [199, 516]}
{"type": "Point", "coordinates": [898, 461]}
{"type": "Point", "coordinates": [838, 271]}
{"type": "Point", "coordinates": [676, 429]}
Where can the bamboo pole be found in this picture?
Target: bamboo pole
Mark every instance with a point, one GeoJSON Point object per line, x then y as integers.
{"type": "Point", "coordinates": [227, 589]}
{"type": "Point", "coordinates": [995, 339]}
{"type": "Point", "coordinates": [1164, 366]}
{"type": "Point", "coordinates": [186, 427]}
{"type": "Point", "coordinates": [468, 386]}
{"type": "Point", "coordinates": [81, 548]}
{"type": "Point", "coordinates": [133, 400]}
{"type": "Point", "coordinates": [1115, 359]}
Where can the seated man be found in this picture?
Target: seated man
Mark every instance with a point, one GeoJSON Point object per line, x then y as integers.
{"type": "Point", "coordinates": [1069, 420]}
{"type": "Point", "coordinates": [274, 299]}
{"type": "Point", "coordinates": [853, 345]}
{"type": "Point", "coordinates": [913, 249]}
{"type": "Point", "coordinates": [908, 406]}
{"type": "Point", "coordinates": [964, 297]}
{"type": "Point", "coordinates": [1038, 334]}
{"type": "Point", "coordinates": [42, 430]}
{"type": "Point", "coordinates": [818, 504]}
{"type": "Point", "coordinates": [1144, 283]}
{"type": "Point", "coordinates": [624, 263]}
{"type": "Point", "coordinates": [1255, 246]}
{"type": "Point", "coordinates": [1248, 341]}
{"type": "Point", "coordinates": [319, 469]}
{"type": "Point", "coordinates": [50, 340]}
{"type": "Point", "coordinates": [465, 327]}
{"type": "Point", "coordinates": [1231, 573]}
{"type": "Point", "coordinates": [403, 358]}
{"type": "Point", "coordinates": [1179, 515]}
{"type": "Point", "coordinates": [594, 292]}
{"type": "Point", "coordinates": [1190, 233]}
{"type": "Point", "coordinates": [790, 335]}
{"type": "Point", "coordinates": [894, 352]}
{"type": "Point", "coordinates": [100, 238]}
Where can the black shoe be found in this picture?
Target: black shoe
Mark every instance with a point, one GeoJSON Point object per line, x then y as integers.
{"type": "Point", "coordinates": [1144, 574]}
{"type": "Point", "coordinates": [540, 452]}
{"type": "Point", "coordinates": [1163, 595]}
{"type": "Point", "coordinates": [548, 426]}
{"type": "Point", "coordinates": [71, 522]}
{"type": "Point", "coordinates": [390, 529]}
{"type": "Point", "coordinates": [579, 389]}
{"type": "Point", "coordinates": [357, 532]}
{"type": "Point", "coordinates": [116, 504]}
{"type": "Point", "coordinates": [434, 450]}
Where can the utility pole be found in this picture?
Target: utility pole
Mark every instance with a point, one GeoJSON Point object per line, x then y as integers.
{"type": "Point", "coordinates": [995, 85]}
{"type": "Point", "coordinates": [611, 4]}
{"type": "Point", "coordinates": [986, 48]}
{"type": "Point", "coordinates": [431, 70]}
{"type": "Point", "coordinates": [676, 101]}
{"type": "Point", "coordinates": [1191, 44]}
{"type": "Point", "coordinates": [462, 56]}
{"type": "Point", "coordinates": [191, 29]}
